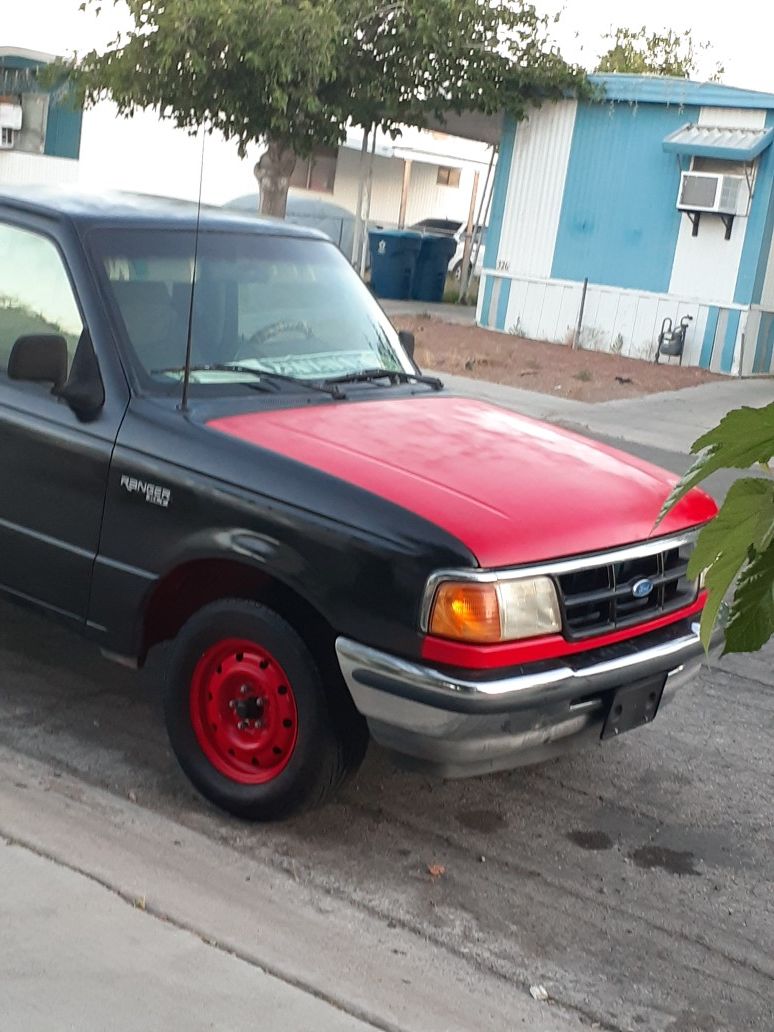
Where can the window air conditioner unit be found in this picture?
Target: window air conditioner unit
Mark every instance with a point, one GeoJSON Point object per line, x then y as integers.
{"type": "Point", "coordinates": [713, 192]}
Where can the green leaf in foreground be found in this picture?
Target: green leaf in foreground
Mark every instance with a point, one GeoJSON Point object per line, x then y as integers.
{"type": "Point", "coordinates": [739, 543]}
{"type": "Point", "coordinates": [743, 438]}
{"type": "Point", "coordinates": [741, 534]}
{"type": "Point", "coordinates": [751, 622]}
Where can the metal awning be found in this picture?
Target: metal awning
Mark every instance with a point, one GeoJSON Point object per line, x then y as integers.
{"type": "Point", "coordinates": [707, 141]}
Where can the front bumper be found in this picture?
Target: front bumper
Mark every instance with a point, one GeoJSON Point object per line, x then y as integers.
{"type": "Point", "coordinates": [462, 725]}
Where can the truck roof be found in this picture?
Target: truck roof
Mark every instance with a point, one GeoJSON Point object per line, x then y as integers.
{"type": "Point", "coordinates": [119, 208]}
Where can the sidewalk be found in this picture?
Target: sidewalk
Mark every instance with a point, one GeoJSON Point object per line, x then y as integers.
{"type": "Point", "coordinates": [74, 955]}
{"type": "Point", "coordinates": [671, 421]}
{"type": "Point", "coordinates": [116, 917]}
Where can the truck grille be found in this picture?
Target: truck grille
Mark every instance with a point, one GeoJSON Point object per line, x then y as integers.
{"type": "Point", "coordinates": [602, 598]}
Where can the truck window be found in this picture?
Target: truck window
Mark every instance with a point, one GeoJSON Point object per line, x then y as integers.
{"type": "Point", "coordinates": [35, 291]}
{"type": "Point", "coordinates": [279, 304]}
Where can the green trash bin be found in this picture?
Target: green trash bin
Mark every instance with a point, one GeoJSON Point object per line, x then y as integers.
{"type": "Point", "coordinates": [393, 258]}
{"type": "Point", "coordinates": [432, 267]}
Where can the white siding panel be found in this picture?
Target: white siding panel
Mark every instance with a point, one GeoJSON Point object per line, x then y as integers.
{"type": "Point", "coordinates": [549, 315]}
{"type": "Point", "coordinates": [626, 317]}
{"type": "Point", "coordinates": [732, 118]}
{"type": "Point", "coordinates": [387, 188]}
{"type": "Point", "coordinates": [588, 336]}
{"type": "Point", "coordinates": [518, 296]}
{"type": "Point", "coordinates": [706, 266]}
{"type": "Point", "coordinates": [21, 168]}
{"type": "Point", "coordinates": [516, 301]}
{"type": "Point", "coordinates": [606, 319]}
{"type": "Point", "coordinates": [426, 199]}
{"type": "Point", "coordinates": [643, 339]}
{"type": "Point", "coordinates": [535, 190]}
{"type": "Point", "coordinates": [568, 306]}
{"type": "Point", "coordinates": [421, 194]}
{"type": "Point", "coordinates": [429, 200]}
{"type": "Point", "coordinates": [533, 309]}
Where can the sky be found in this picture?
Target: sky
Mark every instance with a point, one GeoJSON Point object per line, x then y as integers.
{"type": "Point", "coordinates": [153, 157]}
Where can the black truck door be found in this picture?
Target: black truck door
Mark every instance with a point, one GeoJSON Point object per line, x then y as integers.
{"type": "Point", "coordinates": [53, 465]}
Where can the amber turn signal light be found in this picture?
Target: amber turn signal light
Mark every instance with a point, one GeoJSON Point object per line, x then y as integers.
{"type": "Point", "coordinates": [466, 612]}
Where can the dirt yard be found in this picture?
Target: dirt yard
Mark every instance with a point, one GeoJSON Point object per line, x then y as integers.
{"type": "Point", "coordinates": [540, 366]}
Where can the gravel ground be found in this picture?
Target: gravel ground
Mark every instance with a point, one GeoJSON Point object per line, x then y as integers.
{"type": "Point", "coordinates": [539, 365]}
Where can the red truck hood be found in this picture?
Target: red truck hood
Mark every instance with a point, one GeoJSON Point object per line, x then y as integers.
{"type": "Point", "coordinates": [512, 489]}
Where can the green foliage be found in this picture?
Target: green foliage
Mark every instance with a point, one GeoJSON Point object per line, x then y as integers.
{"type": "Point", "coordinates": [739, 545]}
{"type": "Point", "coordinates": [744, 438]}
{"type": "Point", "coordinates": [666, 53]}
{"type": "Point", "coordinates": [751, 623]}
{"type": "Point", "coordinates": [246, 67]}
{"type": "Point", "coordinates": [296, 71]}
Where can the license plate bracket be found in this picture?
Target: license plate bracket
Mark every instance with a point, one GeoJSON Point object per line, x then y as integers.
{"type": "Point", "coordinates": [633, 705]}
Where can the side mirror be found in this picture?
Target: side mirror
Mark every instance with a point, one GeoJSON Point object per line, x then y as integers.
{"type": "Point", "coordinates": [406, 339]}
{"type": "Point", "coordinates": [39, 358]}
{"type": "Point", "coordinates": [84, 391]}
{"type": "Point", "coordinates": [42, 358]}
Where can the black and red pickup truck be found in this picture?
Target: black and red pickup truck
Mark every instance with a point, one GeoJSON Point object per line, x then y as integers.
{"type": "Point", "coordinates": [333, 544]}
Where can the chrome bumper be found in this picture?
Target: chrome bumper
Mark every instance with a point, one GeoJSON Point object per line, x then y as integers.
{"type": "Point", "coordinates": [461, 726]}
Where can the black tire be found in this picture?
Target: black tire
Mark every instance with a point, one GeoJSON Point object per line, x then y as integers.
{"type": "Point", "coordinates": [327, 746]}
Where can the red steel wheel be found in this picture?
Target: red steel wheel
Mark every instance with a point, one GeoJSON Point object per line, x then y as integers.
{"type": "Point", "coordinates": [243, 711]}
{"type": "Point", "coordinates": [250, 718]}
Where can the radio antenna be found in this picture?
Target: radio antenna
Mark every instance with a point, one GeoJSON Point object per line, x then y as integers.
{"type": "Point", "coordinates": [189, 336]}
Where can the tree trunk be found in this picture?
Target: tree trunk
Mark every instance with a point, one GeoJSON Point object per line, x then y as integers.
{"type": "Point", "coordinates": [273, 173]}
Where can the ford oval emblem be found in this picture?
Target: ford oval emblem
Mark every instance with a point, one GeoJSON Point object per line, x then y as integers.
{"type": "Point", "coordinates": [642, 588]}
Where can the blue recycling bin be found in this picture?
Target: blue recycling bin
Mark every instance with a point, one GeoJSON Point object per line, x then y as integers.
{"type": "Point", "coordinates": [432, 267]}
{"type": "Point", "coordinates": [393, 258]}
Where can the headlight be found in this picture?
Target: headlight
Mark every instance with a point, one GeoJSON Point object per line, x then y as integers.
{"type": "Point", "coordinates": [485, 613]}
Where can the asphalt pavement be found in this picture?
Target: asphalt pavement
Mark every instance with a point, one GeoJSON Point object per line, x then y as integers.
{"type": "Point", "coordinates": [634, 882]}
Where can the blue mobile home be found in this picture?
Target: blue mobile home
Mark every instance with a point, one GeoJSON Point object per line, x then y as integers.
{"type": "Point", "coordinates": [661, 194]}
{"type": "Point", "coordinates": [40, 126]}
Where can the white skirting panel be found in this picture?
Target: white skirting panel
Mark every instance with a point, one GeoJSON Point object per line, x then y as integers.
{"type": "Point", "coordinates": [18, 168]}
{"type": "Point", "coordinates": [625, 322]}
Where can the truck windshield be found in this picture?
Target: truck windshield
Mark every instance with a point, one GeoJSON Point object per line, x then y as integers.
{"type": "Point", "coordinates": [287, 305]}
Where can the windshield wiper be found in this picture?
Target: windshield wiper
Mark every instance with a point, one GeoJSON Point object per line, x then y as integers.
{"type": "Point", "coordinates": [394, 375]}
{"type": "Point", "coordinates": [265, 375]}
{"type": "Point", "coordinates": [295, 381]}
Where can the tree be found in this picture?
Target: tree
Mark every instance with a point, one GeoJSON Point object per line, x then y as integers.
{"type": "Point", "coordinates": [738, 546]}
{"type": "Point", "coordinates": [294, 72]}
{"type": "Point", "coordinates": [666, 53]}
